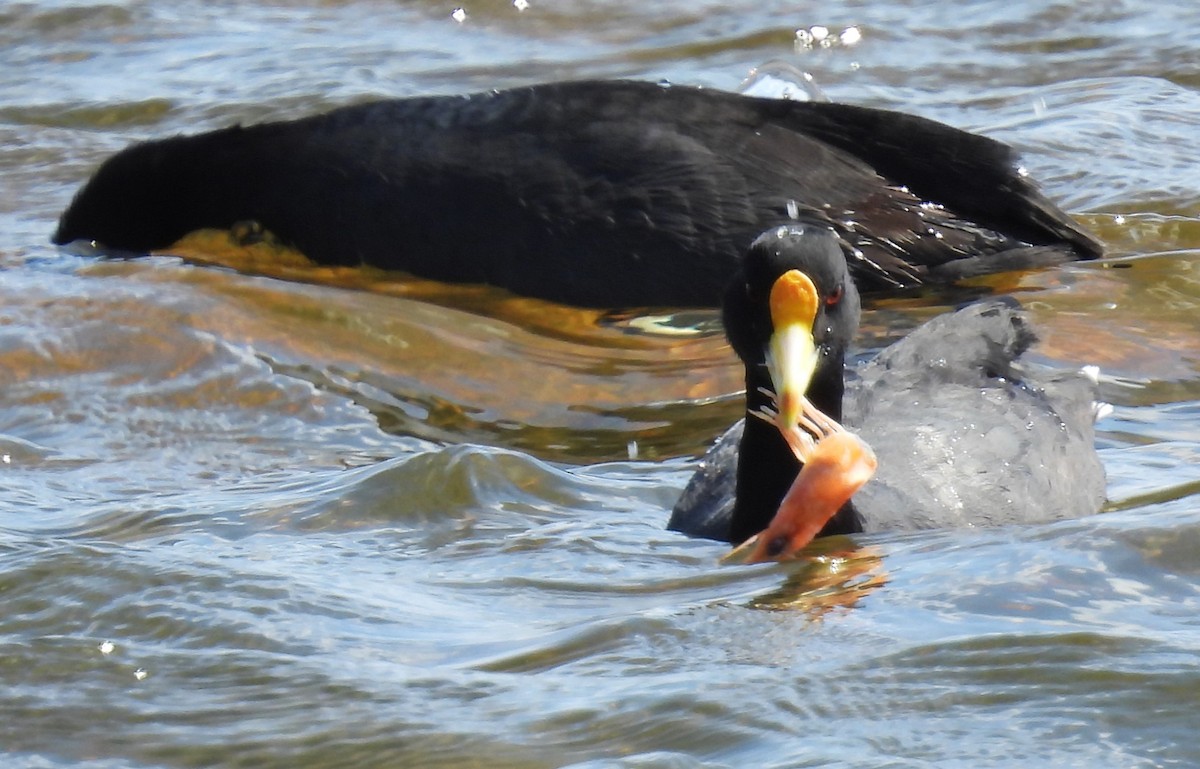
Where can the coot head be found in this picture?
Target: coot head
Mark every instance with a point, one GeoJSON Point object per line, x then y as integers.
{"type": "Point", "coordinates": [789, 315]}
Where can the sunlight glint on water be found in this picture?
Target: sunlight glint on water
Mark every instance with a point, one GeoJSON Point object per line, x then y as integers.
{"type": "Point", "coordinates": [342, 519]}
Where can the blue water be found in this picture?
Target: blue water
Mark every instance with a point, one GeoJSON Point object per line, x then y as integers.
{"type": "Point", "coordinates": [340, 520]}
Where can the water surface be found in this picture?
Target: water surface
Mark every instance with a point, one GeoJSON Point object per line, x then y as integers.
{"type": "Point", "coordinates": [322, 518]}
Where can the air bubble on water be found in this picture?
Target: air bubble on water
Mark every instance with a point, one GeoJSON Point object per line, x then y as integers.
{"type": "Point", "coordinates": [821, 36]}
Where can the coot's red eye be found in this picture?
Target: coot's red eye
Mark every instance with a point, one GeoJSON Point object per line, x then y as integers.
{"type": "Point", "coordinates": [835, 296]}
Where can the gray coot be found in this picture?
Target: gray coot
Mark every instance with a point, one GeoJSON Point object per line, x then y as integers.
{"type": "Point", "coordinates": [599, 193]}
{"type": "Point", "coordinates": [965, 434]}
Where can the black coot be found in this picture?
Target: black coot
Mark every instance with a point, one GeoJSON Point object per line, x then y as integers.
{"type": "Point", "coordinates": [965, 435]}
{"type": "Point", "coordinates": [589, 193]}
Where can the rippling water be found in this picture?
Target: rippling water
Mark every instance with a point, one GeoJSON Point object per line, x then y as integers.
{"type": "Point", "coordinates": [343, 520]}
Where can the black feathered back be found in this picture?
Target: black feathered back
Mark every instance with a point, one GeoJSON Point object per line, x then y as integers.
{"type": "Point", "coordinates": [593, 193]}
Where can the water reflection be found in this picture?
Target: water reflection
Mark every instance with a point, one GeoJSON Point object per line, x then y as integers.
{"type": "Point", "coordinates": [475, 364]}
{"type": "Point", "coordinates": [196, 469]}
{"type": "Point", "coordinates": [831, 575]}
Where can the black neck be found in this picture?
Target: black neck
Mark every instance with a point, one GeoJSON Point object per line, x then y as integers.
{"type": "Point", "coordinates": [766, 465]}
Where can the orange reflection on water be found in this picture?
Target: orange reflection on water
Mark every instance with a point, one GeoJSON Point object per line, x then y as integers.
{"type": "Point", "coordinates": [466, 363]}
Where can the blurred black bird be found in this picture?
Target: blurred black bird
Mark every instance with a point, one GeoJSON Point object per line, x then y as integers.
{"type": "Point", "coordinates": [602, 193]}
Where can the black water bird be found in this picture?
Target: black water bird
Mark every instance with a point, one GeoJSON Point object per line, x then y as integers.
{"type": "Point", "coordinates": [965, 433]}
{"type": "Point", "coordinates": [602, 193]}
